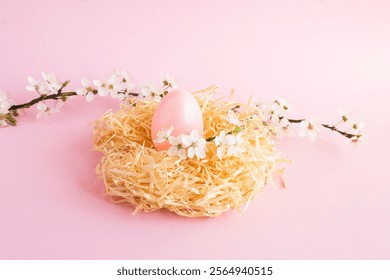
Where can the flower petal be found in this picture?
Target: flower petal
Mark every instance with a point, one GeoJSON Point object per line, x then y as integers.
{"type": "Point", "coordinates": [182, 154]}
{"type": "Point", "coordinates": [201, 142]}
{"type": "Point", "coordinates": [30, 88]}
{"type": "Point", "coordinates": [81, 91]}
{"type": "Point", "coordinates": [220, 152]}
{"type": "Point", "coordinates": [103, 91]}
{"type": "Point", "coordinates": [97, 83]}
{"type": "Point", "coordinates": [194, 135]}
{"type": "Point", "coordinates": [173, 140]}
{"type": "Point", "coordinates": [172, 151]}
{"type": "Point", "coordinates": [41, 106]}
{"type": "Point", "coordinates": [200, 152]}
{"type": "Point", "coordinates": [31, 80]}
{"type": "Point", "coordinates": [85, 82]}
{"type": "Point", "coordinates": [89, 97]}
{"type": "Point", "coordinates": [187, 140]}
{"type": "Point", "coordinates": [191, 152]}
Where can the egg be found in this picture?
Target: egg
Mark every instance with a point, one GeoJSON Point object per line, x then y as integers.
{"type": "Point", "coordinates": [180, 110]}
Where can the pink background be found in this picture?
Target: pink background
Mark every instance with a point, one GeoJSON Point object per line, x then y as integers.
{"type": "Point", "coordinates": [317, 54]}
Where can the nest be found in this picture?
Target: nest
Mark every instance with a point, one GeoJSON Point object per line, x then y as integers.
{"type": "Point", "coordinates": [135, 172]}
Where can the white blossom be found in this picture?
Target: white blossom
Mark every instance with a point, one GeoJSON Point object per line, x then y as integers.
{"type": "Point", "coordinates": [345, 115]}
{"type": "Point", "coordinates": [109, 87]}
{"type": "Point", "coordinates": [232, 118]}
{"type": "Point", "coordinates": [52, 82]}
{"type": "Point", "coordinates": [170, 81]}
{"type": "Point", "coordinates": [222, 141]}
{"type": "Point", "coordinates": [41, 87]}
{"type": "Point", "coordinates": [235, 147]}
{"type": "Point", "coordinates": [284, 106]}
{"type": "Point", "coordinates": [231, 143]}
{"type": "Point", "coordinates": [152, 92]}
{"type": "Point", "coordinates": [45, 111]}
{"type": "Point", "coordinates": [87, 90]}
{"type": "Point", "coordinates": [163, 135]}
{"type": "Point", "coordinates": [58, 107]}
{"type": "Point", "coordinates": [357, 127]}
{"type": "Point", "coordinates": [124, 85]}
{"type": "Point", "coordinates": [178, 147]}
{"type": "Point", "coordinates": [5, 103]}
{"type": "Point", "coordinates": [271, 110]}
{"type": "Point", "coordinates": [283, 127]}
{"type": "Point", "coordinates": [275, 110]}
{"type": "Point", "coordinates": [196, 144]}
{"type": "Point", "coordinates": [357, 140]}
{"type": "Point", "coordinates": [309, 129]}
{"type": "Point", "coordinates": [122, 75]}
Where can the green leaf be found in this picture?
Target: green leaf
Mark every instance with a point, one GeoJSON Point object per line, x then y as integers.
{"type": "Point", "coordinates": [65, 83]}
{"type": "Point", "coordinates": [237, 129]}
{"type": "Point", "coordinates": [10, 119]}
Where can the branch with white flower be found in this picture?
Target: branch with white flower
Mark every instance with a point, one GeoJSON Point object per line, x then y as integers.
{"type": "Point", "coordinates": [118, 86]}
{"type": "Point", "coordinates": [274, 113]}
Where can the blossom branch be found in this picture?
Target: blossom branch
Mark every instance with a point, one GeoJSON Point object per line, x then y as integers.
{"type": "Point", "coordinates": [331, 127]}
{"type": "Point", "coordinates": [118, 86]}
{"type": "Point", "coordinates": [275, 114]}
{"type": "Point", "coordinates": [57, 96]}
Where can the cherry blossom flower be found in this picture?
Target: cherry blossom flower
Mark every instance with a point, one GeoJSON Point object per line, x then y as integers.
{"type": "Point", "coordinates": [45, 111]}
{"type": "Point", "coordinates": [5, 103]}
{"type": "Point", "coordinates": [109, 87]}
{"type": "Point", "coordinates": [231, 143]}
{"type": "Point", "coordinates": [169, 81]}
{"type": "Point", "coordinates": [196, 144]}
{"type": "Point", "coordinates": [275, 110]}
{"type": "Point", "coordinates": [87, 90]}
{"type": "Point", "coordinates": [309, 129]}
{"type": "Point", "coordinates": [345, 115]}
{"type": "Point", "coordinates": [53, 83]}
{"type": "Point", "coordinates": [271, 110]}
{"type": "Point", "coordinates": [284, 106]}
{"type": "Point", "coordinates": [124, 84]}
{"type": "Point", "coordinates": [39, 86]}
{"type": "Point", "coordinates": [222, 141]}
{"type": "Point", "coordinates": [357, 127]}
{"type": "Point", "coordinates": [122, 75]}
{"type": "Point", "coordinates": [178, 147]}
{"type": "Point", "coordinates": [357, 140]}
{"type": "Point", "coordinates": [163, 135]}
{"type": "Point", "coordinates": [283, 127]}
{"type": "Point", "coordinates": [58, 107]}
{"type": "Point", "coordinates": [232, 118]}
{"type": "Point", "coordinates": [152, 92]}
{"type": "Point", "coordinates": [235, 147]}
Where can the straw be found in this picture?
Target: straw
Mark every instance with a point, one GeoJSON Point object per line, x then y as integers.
{"type": "Point", "coordinates": [134, 172]}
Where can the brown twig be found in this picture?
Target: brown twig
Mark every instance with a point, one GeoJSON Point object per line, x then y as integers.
{"type": "Point", "coordinates": [331, 127]}
{"type": "Point", "coordinates": [56, 96]}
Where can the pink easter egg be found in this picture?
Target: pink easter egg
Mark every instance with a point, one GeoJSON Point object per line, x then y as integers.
{"type": "Point", "coordinates": [180, 110]}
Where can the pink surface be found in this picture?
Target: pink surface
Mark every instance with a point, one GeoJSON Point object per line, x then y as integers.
{"type": "Point", "coordinates": [317, 54]}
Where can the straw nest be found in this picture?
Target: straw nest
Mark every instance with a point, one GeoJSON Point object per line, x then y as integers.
{"type": "Point", "coordinates": [135, 172]}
